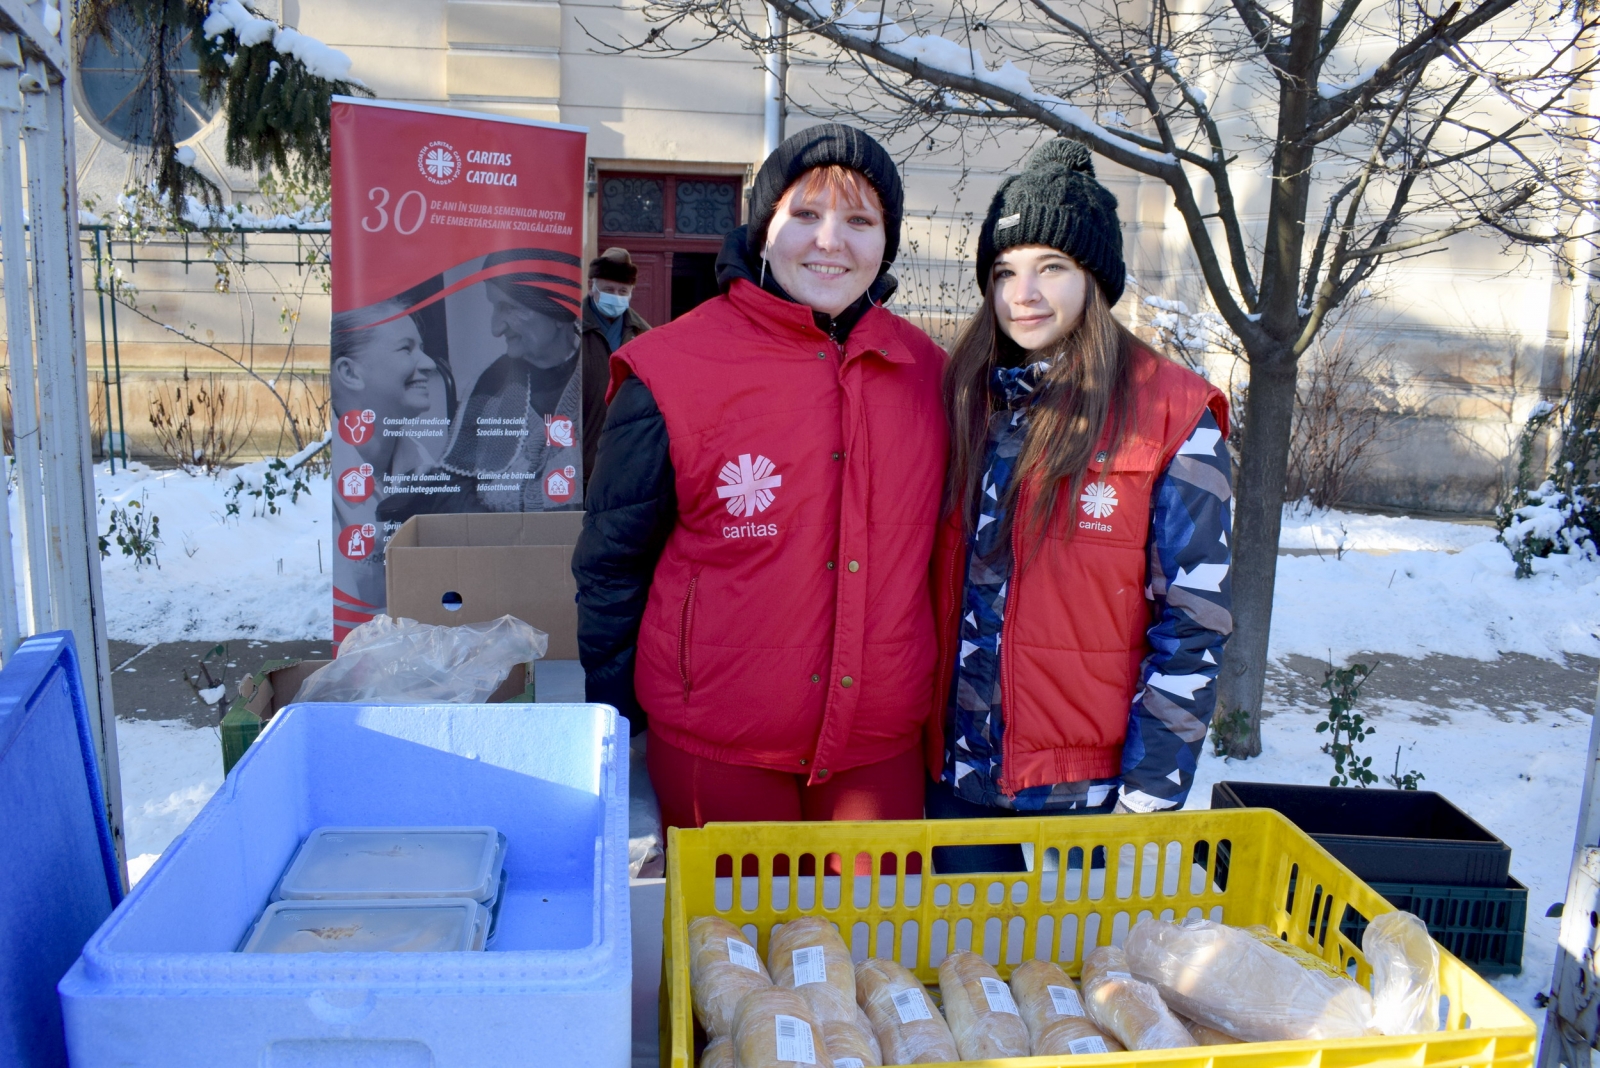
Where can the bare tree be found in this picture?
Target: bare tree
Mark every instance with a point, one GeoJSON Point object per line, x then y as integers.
{"type": "Point", "coordinates": [1385, 126]}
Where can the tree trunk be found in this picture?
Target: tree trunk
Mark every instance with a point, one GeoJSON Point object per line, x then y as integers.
{"type": "Point", "coordinates": [1258, 515]}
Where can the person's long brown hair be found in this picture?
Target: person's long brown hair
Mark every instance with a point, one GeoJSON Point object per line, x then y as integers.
{"type": "Point", "coordinates": [1086, 387]}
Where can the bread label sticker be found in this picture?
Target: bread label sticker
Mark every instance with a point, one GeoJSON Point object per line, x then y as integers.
{"type": "Point", "coordinates": [794, 1040]}
{"type": "Point", "coordinates": [1065, 1001]}
{"type": "Point", "coordinates": [743, 954]}
{"type": "Point", "coordinates": [1194, 923]}
{"type": "Point", "coordinates": [810, 966]}
{"type": "Point", "coordinates": [912, 1005]}
{"type": "Point", "coordinates": [1118, 975]}
{"type": "Point", "coordinates": [1080, 1046]}
{"type": "Point", "coordinates": [849, 1062]}
{"type": "Point", "coordinates": [998, 995]}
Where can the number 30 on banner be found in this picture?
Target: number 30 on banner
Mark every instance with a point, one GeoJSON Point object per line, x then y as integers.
{"type": "Point", "coordinates": [381, 195]}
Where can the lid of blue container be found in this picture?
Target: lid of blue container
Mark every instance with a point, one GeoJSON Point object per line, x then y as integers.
{"type": "Point", "coordinates": [345, 863]}
{"type": "Point", "coordinates": [441, 925]}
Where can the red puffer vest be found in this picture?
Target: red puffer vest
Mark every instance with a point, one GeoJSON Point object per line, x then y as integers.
{"type": "Point", "coordinates": [1076, 609]}
{"type": "Point", "coordinates": [789, 624]}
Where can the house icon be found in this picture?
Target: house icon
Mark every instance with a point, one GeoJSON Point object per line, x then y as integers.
{"type": "Point", "coordinates": [558, 484]}
{"type": "Point", "coordinates": [355, 484]}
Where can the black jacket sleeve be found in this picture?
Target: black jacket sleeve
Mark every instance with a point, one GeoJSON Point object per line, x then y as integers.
{"type": "Point", "coordinates": [632, 506]}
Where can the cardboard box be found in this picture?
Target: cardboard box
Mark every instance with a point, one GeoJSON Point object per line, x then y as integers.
{"type": "Point", "coordinates": [454, 569]}
{"type": "Point", "coordinates": [269, 690]}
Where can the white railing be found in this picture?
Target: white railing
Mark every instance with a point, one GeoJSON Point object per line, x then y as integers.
{"type": "Point", "coordinates": [49, 373]}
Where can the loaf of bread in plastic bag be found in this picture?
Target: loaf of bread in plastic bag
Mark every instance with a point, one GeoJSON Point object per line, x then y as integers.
{"type": "Point", "coordinates": [909, 1027]}
{"type": "Point", "coordinates": [718, 1053]}
{"type": "Point", "coordinates": [808, 955]}
{"type": "Point", "coordinates": [774, 1027]}
{"type": "Point", "coordinates": [978, 1006]}
{"type": "Point", "coordinates": [1226, 979]}
{"type": "Point", "coordinates": [1405, 974]}
{"type": "Point", "coordinates": [723, 968]}
{"type": "Point", "coordinates": [1206, 1036]}
{"type": "Point", "coordinates": [850, 1045]}
{"type": "Point", "coordinates": [1127, 1008]}
{"type": "Point", "coordinates": [1052, 1008]}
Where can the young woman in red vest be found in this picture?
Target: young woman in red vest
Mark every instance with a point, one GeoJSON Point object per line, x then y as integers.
{"type": "Point", "coordinates": [1082, 579]}
{"type": "Point", "coordinates": [752, 572]}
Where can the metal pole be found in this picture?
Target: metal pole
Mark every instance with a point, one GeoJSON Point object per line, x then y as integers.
{"type": "Point", "coordinates": [776, 62]}
{"type": "Point", "coordinates": [19, 344]}
{"type": "Point", "coordinates": [105, 359]}
{"type": "Point", "coordinates": [116, 355]}
{"type": "Point", "coordinates": [76, 598]}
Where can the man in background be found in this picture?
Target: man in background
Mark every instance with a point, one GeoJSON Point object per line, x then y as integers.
{"type": "Point", "coordinates": [608, 324]}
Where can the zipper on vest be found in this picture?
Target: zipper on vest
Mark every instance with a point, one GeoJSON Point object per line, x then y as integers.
{"type": "Point", "coordinates": [1008, 689]}
{"type": "Point", "coordinates": [685, 620]}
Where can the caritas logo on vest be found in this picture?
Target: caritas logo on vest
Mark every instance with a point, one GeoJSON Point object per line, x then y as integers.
{"type": "Point", "coordinates": [1099, 501]}
{"type": "Point", "coordinates": [746, 491]}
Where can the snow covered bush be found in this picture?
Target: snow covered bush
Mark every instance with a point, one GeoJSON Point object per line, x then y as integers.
{"type": "Point", "coordinates": [1562, 514]}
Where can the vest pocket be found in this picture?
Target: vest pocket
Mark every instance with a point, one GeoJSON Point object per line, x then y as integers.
{"type": "Point", "coordinates": [685, 628]}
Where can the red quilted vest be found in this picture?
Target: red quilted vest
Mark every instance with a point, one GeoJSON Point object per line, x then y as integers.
{"type": "Point", "coordinates": [1077, 608]}
{"type": "Point", "coordinates": [789, 624]}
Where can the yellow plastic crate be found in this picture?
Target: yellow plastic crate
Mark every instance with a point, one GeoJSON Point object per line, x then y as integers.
{"type": "Point", "coordinates": [1092, 877]}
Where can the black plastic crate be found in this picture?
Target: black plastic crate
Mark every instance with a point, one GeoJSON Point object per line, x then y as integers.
{"type": "Point", "coordinates": [1483, 926]}
{"type": "Point", "coordinates": [1402, 837]}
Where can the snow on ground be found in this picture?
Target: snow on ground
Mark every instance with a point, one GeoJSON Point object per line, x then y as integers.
{"type": "Point", "coordinates": [220, 577]}
{"type": "Point", "coordinates": [1327, 530]}
{"type": "Point", "coordinates": [1520, 775]}
{"type": "Point", "coordinates": [1413, 603]}
{"type": "Point", "coordinates": [169, 771]}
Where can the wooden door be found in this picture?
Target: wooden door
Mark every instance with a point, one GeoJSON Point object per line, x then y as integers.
{"type": "Point", "coordinates": [672, 226]}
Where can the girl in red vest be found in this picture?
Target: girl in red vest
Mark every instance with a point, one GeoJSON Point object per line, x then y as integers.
{"type": "Point", "coordinates": [752, 572]}
{"type": "Point", "coordinates": [1082, 579]}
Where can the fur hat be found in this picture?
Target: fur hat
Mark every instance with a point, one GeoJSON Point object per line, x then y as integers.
{"type": "Point", "coordinates": [614, 265]}
{"type": "Point", "coordinates": [1056, 201]}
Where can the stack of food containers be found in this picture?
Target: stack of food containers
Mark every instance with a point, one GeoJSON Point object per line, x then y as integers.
{"type": "Point", "coordinates": [386, 890]}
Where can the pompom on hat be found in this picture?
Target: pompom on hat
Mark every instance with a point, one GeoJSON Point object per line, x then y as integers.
{"type": "Point", "coordinates": [1057, 202]}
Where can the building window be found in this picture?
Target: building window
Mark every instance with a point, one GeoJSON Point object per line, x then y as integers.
{"type": "Point", "coordinates": [632, 205]}
{"type": "Point", "coordinates": [114, 91]}
{"type": "Point", "coordinates": [706, 208]}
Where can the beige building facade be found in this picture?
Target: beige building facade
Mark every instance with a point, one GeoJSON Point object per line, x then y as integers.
{"type": "Point", "coordinates": [1472, 339]}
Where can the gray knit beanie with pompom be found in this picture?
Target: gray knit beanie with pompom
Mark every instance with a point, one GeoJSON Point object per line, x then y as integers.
{"type": "Point", "coordinates": [1056, 201]}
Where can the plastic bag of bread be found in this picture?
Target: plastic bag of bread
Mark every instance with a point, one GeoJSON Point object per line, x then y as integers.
{"type": "Point", "coordinates": [1206, 1036]}
{"type": "Point", "coordinates": [1053, 1011]}
{"type": "Point", "coordinates": [905, 1019]}
{"type": "Point", "coordinates": [1127, 1008]}
{"type": "Point", "coordinates": [808, 955]}
{"type": "Point", "coordinates": [1226, 979]}
{"type": "Point", "coordinates": [718, 1053]}
{"type": "Point", "coordinates": [978, 1006]}
{"type": "Point", "coordinates": [774, 1027]}
{"type": "Point", "coordinates": [849, 1045]}
{"type": "Point", "coordinates": [723, 968]}
{"type": "Point", "coordinates": [1405, 974]}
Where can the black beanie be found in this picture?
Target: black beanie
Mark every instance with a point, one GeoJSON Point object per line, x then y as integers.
{"type": "Point", "coordinates": [822, 146]}
{"type": "Point", "coordinates": [1056, 201]}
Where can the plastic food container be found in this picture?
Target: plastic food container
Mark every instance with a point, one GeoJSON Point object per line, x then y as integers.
{"type": "Point", "coordinates": [1090, 879]}
{"type": "Point", "coordinates": [412, 926]}
{"type": "Point", "coordinates": [353, 863]}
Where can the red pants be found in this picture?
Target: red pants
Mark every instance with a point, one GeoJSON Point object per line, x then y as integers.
{"type": "Point", "coordinates": [694, 791]}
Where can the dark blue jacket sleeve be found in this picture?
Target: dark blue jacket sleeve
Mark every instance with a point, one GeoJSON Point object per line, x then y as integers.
{"type": "Point", "coordinates": [632, 505]}
{"type": "Point", "coordinates": [1191, 524]}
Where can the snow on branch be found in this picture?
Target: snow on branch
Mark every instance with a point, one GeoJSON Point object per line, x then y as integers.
{"type": "Point", "coordinates": [250, 29]}
{"type": "Point", "coordinates": [875, 34]}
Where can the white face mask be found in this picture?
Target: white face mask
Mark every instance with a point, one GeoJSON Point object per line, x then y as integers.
{"type": "Point", "coordinates": [610, 305]}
